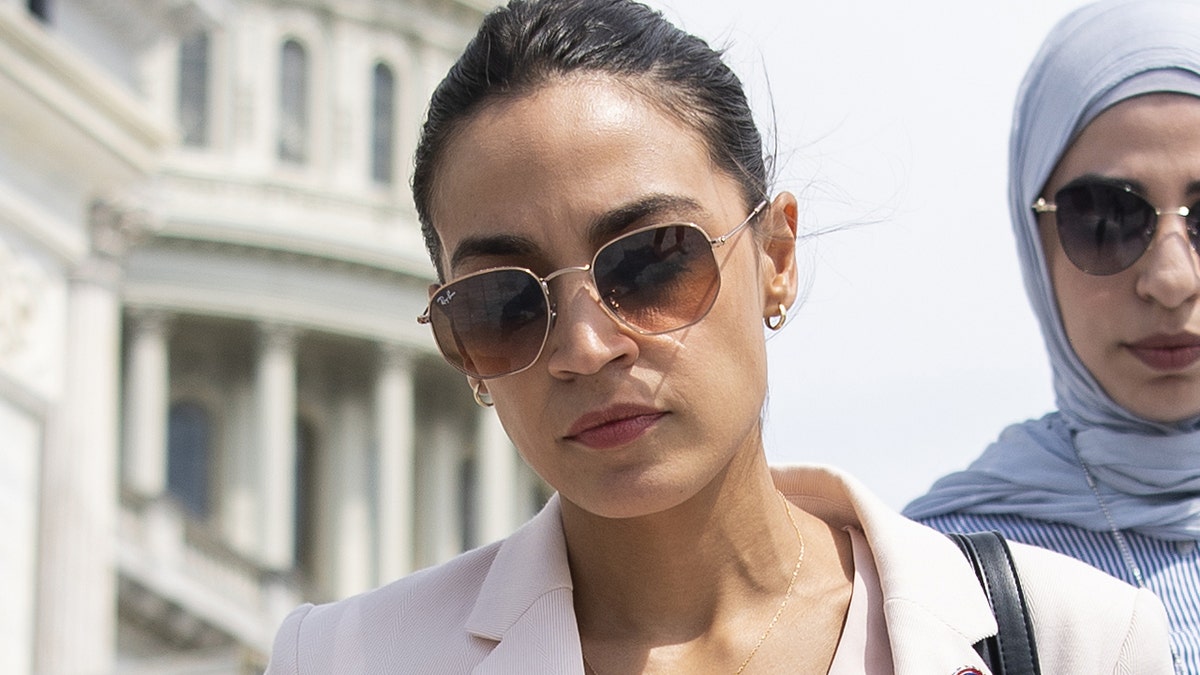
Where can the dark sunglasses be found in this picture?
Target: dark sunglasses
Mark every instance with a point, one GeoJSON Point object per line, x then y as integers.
{"type": "Point", "coordinates": [655, 280]}
{"type": "Point", "coordinates": [1104, 226]}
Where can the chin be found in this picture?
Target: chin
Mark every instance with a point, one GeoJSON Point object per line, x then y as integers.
{"type": "Point", "coordinates": [1168, 409]}
{"type": "Point", "coordinates": [629, 501]}
{"type": "Point", "coordinates": [1170, 417]}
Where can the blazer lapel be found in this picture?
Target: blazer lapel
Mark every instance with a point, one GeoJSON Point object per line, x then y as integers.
{"type": "Point", "coordinates": [526, 605]}
{"type": "Point", "coordinates": [932, 601]}
{"type": "Point", "coordinates": [933, 604]}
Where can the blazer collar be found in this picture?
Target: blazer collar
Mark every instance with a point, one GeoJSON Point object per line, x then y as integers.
{"type": "Point", "coordinates": [526, 603]}
{"type": "Point", "coordinates": [934, 607]}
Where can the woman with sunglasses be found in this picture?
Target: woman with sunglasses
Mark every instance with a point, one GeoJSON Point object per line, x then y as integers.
{"type": "Point", "coordinates": [1105, 199]}
{"type": "Point", "coordinates": [593, 193]}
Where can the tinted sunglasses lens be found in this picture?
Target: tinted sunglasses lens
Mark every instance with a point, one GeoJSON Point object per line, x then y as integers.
{"type": "Point", "coordinates": [660, 279]}
{"type": "Point", "coordinates": [491, 324]}
{"type": "Point", "coordinates": [1103, 229]}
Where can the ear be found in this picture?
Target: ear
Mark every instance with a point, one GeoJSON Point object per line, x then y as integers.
{"type": "Point", "coordinates": [780, 277]}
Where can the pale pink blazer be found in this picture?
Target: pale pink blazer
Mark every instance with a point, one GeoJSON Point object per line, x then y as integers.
{"type": "Point", "coordinates": [506, 607]}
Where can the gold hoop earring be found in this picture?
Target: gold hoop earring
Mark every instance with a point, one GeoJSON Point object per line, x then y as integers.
{"type": "Point", "coordinates": [776, 322]}
{"type": "Point", "coordinates": [482, 398]}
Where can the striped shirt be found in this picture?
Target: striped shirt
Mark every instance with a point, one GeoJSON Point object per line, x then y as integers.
{"type": "Point", "coordinates": [1170, 569]}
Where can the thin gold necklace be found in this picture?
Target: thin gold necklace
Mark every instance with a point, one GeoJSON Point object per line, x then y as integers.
{"type": "Point", "coordinates": [779, 612]}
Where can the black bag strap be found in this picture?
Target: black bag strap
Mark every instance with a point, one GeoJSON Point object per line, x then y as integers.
{"type": "Point", "coordinates": [1013, 650]}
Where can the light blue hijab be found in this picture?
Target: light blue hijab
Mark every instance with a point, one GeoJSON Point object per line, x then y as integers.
{"type": "Point", "coordinates": [1148, 473]}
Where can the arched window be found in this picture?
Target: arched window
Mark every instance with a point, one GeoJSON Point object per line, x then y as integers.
{"type": "Point", "coordinates": [293, 103]}
{"type": "Point", "coordinates": [189, 456]}
{"type": "Point", "coordinates": [383, 124]}
{"type": "Point", "coordinates": [40, 9]}
{"type": "Point", "coordinates": [193, 89]}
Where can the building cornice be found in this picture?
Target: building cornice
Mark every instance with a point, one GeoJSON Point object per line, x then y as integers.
{"type": "Point", "coordinates": [47, 79]}
{"type": "Point", "coordinates": [266, 285]}
{"type": "Point", "coordinates": [447, 24]}
{"type": "Point", "coordinates": [301, 259]}
{"type": "Point", "coordinates": [295, 216]}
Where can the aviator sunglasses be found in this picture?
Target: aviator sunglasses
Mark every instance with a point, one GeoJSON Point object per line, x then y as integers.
{"type": "Point", "coordinates": [1105, 226]}
{"type": "Point", "coordinates": [655, 280]}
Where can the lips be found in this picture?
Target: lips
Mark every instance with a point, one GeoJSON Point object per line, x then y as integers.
{"type": "Point", "coordinates": [1167, 352]}
{"type": "Point", "coordinates": [614, 426]}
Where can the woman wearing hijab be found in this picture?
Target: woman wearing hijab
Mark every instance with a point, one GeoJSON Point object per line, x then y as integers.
{"type": "Point", "coordinates": [1104, 191]}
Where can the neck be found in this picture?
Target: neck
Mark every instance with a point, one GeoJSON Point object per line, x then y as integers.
{"type": "Point", "coordinates": [667, 576]}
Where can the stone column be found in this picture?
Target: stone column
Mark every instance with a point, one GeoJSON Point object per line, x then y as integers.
{"type": "Point", "coordinates": [147, 396]}
{"type": "Point", "coordinates": [440, 493]}
{"type": "Point", "coordinates": [351, 535]}
{"type": "Point", "coordinates": [76, 591]}
{"type": "Point", "coordinates": [496, 478]}
{"type": "Point", "coordinates": [394, 422]}
{"type": "Point", "coordinates": [147, 401]}
{"type": "Point", "coordinates": [276, 393]}
{"type": "Point", "coordinates": [239, 505]}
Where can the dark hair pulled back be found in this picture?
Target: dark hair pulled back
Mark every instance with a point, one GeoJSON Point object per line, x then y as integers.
{"type": "Point", "coordinates": [529, 42]}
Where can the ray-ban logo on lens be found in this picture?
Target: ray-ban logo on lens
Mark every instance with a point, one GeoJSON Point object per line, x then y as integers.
{"type": "Point", "coordinates": [445, 298]}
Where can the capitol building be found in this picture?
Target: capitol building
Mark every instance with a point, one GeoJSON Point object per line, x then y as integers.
{"type": "Point", "coordinates": [215, 400]}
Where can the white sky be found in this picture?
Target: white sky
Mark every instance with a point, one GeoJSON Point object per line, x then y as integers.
{"type": "Point", "coordinates": [915, 344]}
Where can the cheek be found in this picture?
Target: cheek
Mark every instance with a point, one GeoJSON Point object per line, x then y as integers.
{"type": "Point", "coordinates": [737, 326]}
{"type": "Point", "coordinates": [1075, 319]}
{"type": "Point", "coordinates": [520, 404]}
{"type": "Point", "coordinates": [1090, 309]}
{"type": "Point", "coordinates": [1068, 292]}
{"type": "Point", "coordinates": [1069, 286]}
{"type": "Point", "coordinates": [742, 284]}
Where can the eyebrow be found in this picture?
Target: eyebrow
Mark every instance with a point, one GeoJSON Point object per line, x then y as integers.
{"type": "Point", "coordinates": [611, 223]}
{"type": "Point", "coordinates": [1091, 178]}
{"type": "Point", "coordinates": [1136, 185]}
{"type": "Point", "coordinates": [491, 245]}
{"type": "Point", "coordinates": [599, 231]}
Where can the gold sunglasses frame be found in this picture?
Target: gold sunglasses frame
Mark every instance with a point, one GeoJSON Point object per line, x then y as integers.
{"type": "Point", "coordinates": [552, 314]}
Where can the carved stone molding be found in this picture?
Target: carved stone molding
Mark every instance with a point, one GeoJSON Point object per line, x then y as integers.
{"type": "Point", "coordinates": [20, 288]}
{"type": "Point", "coordinates": [277, 337]}
{"type": "Point", "coordinates": [117, 226]}
{"type": "Point", "coordinates": [150, 320]}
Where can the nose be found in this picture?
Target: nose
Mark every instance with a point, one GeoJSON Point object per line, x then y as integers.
{"type": "Point", "coordinates": [1170, 269]}
{"type": "Point", "coordinates": [585, 337]}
